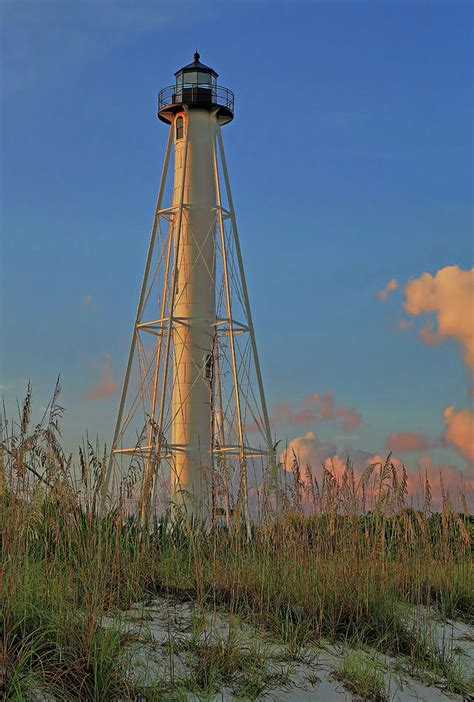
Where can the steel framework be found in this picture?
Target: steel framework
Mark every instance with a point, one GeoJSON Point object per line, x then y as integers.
{"type": "Point", "coordinates": [143, 455]}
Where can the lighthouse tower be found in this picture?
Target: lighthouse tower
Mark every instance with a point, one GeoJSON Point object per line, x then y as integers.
{"type": "Point", "coordinates": [192, 419]}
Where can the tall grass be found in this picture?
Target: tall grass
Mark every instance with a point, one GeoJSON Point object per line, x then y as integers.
{"type": "Point", "coordinates": [322, 569]}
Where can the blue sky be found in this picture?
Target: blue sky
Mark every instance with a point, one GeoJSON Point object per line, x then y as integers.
{"type": "Point", "coordinates": [351, 164]}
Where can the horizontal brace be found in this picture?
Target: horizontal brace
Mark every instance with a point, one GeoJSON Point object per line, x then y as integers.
{"type": "Point", "coordinates": [175, 208]}
{"type": "Point", "coordinates": [231, 450]}
{"type": "Point", "coordinates": [244, 451]}
{"type": "Point", "coordinates": [224, 320]}
{"type": "Point", "coordinates": [227, 332]}
{"type": "Point", "coordinates": [133, 450]}
{"type": "Point", "coordinates": [189, 321]}
{"type": "Point", "coordinates": [154, 324]}
{"type": "Point", "coordinates": [143, 451]}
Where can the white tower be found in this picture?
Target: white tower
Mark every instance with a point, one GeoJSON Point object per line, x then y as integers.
{"type": "Point", "coordinates": [192, 418]}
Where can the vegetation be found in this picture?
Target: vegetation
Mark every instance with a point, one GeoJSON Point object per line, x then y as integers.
{"type": "Point", "coordinates": [361, 676]}
{"type": "Point", "coordinates": [322, 570]}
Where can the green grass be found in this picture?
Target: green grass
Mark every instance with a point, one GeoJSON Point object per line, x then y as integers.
{"type": "Point", "coordinates": [327, 573]}
{"type": "Point", "coordinates": [361, 676]}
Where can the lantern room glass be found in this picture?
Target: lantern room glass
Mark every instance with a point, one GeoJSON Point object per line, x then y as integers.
{"type": "Point", "coordinates": [195, 79]}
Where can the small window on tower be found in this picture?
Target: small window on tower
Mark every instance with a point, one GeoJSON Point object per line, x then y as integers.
{"type": "Point", "coordinates": [209, 366]}
{"type": "Point", "coordinates": [179, 128]}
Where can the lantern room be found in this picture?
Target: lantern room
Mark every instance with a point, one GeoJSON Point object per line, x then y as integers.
{"type": "Point", "coordinates": [196, 87]}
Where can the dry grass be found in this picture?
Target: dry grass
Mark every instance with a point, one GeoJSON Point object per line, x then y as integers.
{"type": "Point", "coordinates": [327, 572]}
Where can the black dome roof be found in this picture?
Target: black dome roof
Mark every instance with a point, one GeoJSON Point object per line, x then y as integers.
{"type": "Point", "coordinates": [196, 65]}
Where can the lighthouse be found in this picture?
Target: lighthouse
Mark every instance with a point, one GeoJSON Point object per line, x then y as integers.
{"type": "Point", "coordinates": [194, 114]}
{"type": "Point", "coordinates": [193, 395]}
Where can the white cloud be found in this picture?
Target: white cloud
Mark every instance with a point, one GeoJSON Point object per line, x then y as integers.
{"type": "Point", "coordinates": [449, 297]}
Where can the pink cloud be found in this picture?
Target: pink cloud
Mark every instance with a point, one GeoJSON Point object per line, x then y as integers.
{"type": "Point", "coordinates": [316, 407]}
{"type": "Point", "coordinates": [444, 480]}
{"type": "Point", "coordinates": [106, 385]}
{"type": "Point", "coordinates": [319, 461]}
{"type": "Point", "coordinates": [429, 335]}
{"type": "Point", "coordinates": [403, 324]}
{"type": "Point", "coordinates": [385, 292]}
{"type": "Point", "coordinates": [460, 430]}
{"type": "Point", "coordinates": [406, 441]}
{"type": "Point", "coordinates": [307, 449]}
{"type": "Point", "coordinates": [449, 296]}
{"type": "Point", "coordinates": [315, 458]}
{"type": "Point", "coordinates": [282, 413]}
{"type": "Point", "coordinates": [326, 409]}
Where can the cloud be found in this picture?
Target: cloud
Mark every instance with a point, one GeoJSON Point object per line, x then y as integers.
{"type": "Point", "coordinates": [319, 456]}
{"type": "Point", "coordinates": [282, 413]}
{"type": "Point", "coordinates": [374, 459]}
{"type": "Point", "coordinates": [406, 441]}
{"type": "Point", "coordinates": [106, 385]}
{"type": "Point", "coordinates": [449, 296]}
{"type": "Point", "coordinates": [308, 449]}
{"type": "Point", "coordinates": [443, 479]}
{"type": "Point", "coordinates": [460, 430]}
{"type": "Point", "coordinates": [316, 407]}
{"type": "Point", "coordinates": [429, 335]}
{"type": "Point", "coordinates": [325, 408]}
{"type": "Point", "coordinates": [403, 324]}
{"type": "Point", "coordinates": [385, 292]}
